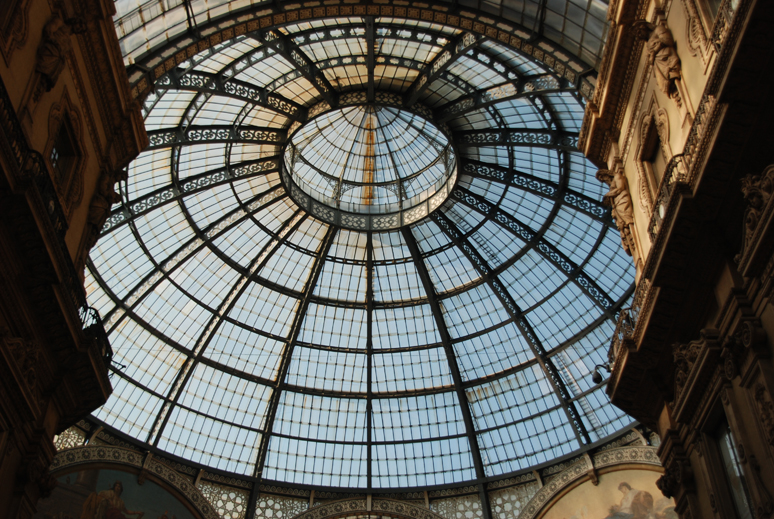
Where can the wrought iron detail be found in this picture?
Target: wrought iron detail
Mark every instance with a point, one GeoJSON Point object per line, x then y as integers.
{"type": "Point", "coordinates": [538, 186]}
{"type": "Point", "coordinates": [445, 58]}
{"type": "Point", "coordinates": [166, 138]}
{"type": "Point", "coordinates": [214, 83]}
{"type": "Point", "coordinates": [187, 187]}
{"type": "Point", "coordinates": [546, 249]}
{"type": "Point", "coordinates": [542, 84]}
{"type": "Point", "coordinates": [287, 48]}
{"type": "Point", "coordinates": [554, 139]}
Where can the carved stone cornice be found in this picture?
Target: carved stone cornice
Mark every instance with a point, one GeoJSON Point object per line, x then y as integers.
{"type": "Point", "coordinates": [602, 120]}
{"type": "Point", "coordinates": [79, 457]}
{"type": "Point", "coordinates": [678, 479]}
{"type": "Point", "coordinates": [695, 364]}
{"type": "Point", "coordinates": [758, 237]}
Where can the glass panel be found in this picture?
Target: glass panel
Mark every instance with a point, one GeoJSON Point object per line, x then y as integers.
{"type": "Point", "coordinates": [737, 484]}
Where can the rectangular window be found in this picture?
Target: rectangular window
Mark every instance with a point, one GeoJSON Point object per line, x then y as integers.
{"type": "Point", "coordinates": [737, 486]}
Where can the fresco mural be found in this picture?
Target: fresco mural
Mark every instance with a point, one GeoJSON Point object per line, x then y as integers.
{"type": "Point", "coordinates": [109, 494]}
{"type": "Point", "coordinates": [624, 494]}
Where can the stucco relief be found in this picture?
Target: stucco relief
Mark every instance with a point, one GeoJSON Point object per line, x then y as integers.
{"type": "Point", "coordinates": [14, 28]}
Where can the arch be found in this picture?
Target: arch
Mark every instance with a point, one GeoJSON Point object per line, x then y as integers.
{"type": "Point", "coordinates": [142, 464]}
{"type": "Point", "coordinates": [359, 506]}
{"type": "Point", "coordinates": [585, 469]}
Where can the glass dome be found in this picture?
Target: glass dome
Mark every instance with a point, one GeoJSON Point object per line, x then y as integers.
{"type": "Point", "coordinates": [370, 159]}
{"type": "Point", "coordinates": [271, 340]}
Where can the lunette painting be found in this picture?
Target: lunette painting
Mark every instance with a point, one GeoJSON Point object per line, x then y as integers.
{"type": "Point", "coordinates": [109, 494]}
{"type": "Point", "coordinates": [624, 494]}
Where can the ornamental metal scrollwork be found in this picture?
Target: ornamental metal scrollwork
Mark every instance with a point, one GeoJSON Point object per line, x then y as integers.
{"type": "Point", "coordinates": [158, 139]}
{"type": "Point", "coordinates": [194, 80]}
{"type": "Point", "coordinates": [259, 135]}
{"type": "Point", "coordinates": [208, 134]}
{"type": "Point", "coordinates": [530, 138]}
{"type": "Point", "coordinates": [153, 201]}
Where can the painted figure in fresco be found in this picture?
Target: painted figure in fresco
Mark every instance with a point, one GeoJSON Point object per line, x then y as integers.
{"type": "Point", "coordinates": [107, 505]}
{"type": "Point", "coordinates": [635, 504]}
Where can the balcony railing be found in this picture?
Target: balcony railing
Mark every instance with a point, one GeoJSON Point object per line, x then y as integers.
{"type": "Point", "coordinates": [723, 22]}
{"type": "Point", "coordinates": [676, 174]}
{"type": "Point", "coordinates": [94, 331]}
{"type": "Point", "coordinates": [626, 327]}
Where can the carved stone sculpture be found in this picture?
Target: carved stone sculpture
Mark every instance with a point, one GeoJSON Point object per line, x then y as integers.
{"type": "Point", "coordinates": [757, 190]}
{"type": "Point", "coordinates": [766, 411]}
{"type": "Point", "coordinates": [666, 63]}
{"type": "Point", "coordinates": [685, 356]}
{"type": "Point", "coordinates": [620, 201]}
{"type": "Point", "coordinates": [52, 52]}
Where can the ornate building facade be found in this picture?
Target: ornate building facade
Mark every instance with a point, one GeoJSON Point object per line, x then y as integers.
{"type": "Point", "coordinates": [678, 126]}
{"type": "Point", "coordinates": [68, 127]}
{"type": "Point", "coordinates": [677, 111]}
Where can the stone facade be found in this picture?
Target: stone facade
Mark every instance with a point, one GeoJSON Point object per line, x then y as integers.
{"type": "Point", "coordinates": [68, 129]}
{"type": "Point", "coordinates": [679, 113]}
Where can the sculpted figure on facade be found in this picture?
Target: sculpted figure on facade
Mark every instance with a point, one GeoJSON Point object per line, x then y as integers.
{"type": "Point", "coordinates": [99, 209]}
{"type": "Point", "coordinates": [620, 201]}
{"type": "Point", "coordinates": [662, 54]}
{"type": "Point", "coordinates": [52, 52]}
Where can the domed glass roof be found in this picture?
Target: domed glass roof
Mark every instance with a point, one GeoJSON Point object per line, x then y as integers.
{"type": "Point", "coordinates": [370, 159]}
{"type": "Point", "coordinates": [274, 335]}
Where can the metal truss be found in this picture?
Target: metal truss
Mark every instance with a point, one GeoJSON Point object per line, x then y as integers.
{"type": "Point", "coordinates": [189, 186]}
{"type": "Point", "coordinates": [444, 60]}
{"type": "Point", "coordinates": [371, 66]}
{"type": "Point", "coordinates": [215, 83]}
{"type": "Point", "coordinates": [343, 61]}
{"type": "Point", "coordinates": [543, 84]}
{"type": "Point", "coordinates": [553, 139]}
{"type": "Point", "coordinates": [181, 136]}
{"type": "Point", "coordinates": [298, 59]}
{"type": "Point", "coordinates": [454, 368]}
{"type": "Point", "coordinates": [224, 83]}
{"type": "Point", "coordinates": [177, 388]}
{"type": "Point", "coordinates": [513, 310]}
{"type": "Point", "coordinates": [544, 248]}
{"type": "Point", "coordinates": [513, 177]}
{"type": "Point", "coordinates": [369, 353]}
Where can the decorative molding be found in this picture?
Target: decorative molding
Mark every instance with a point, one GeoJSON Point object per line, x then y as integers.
{"type": "Point", "coordinates": [73, 459]}
{"type": "Point", "coordinates": [360, 506]}
{"type": "Point", "coordinates": [14, 28]}
{"type": "Point", "coordinates": [641, 455]}
{"type": "Point", "coordinates": [758, 222]}
{"type": "Point", "coordinates": [695, 364]}
{"type": "Point", "coordinates": [765, 409]}
{"type": "Point", "coordinates": [70, 190]}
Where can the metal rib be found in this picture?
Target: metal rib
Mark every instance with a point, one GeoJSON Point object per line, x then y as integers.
{"type": "Point", "coordinates": [295, 330]}
{"type": "Point", "coordinates": [451, 357]}
{"type": "Point", "coordinates": [562, 394]}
